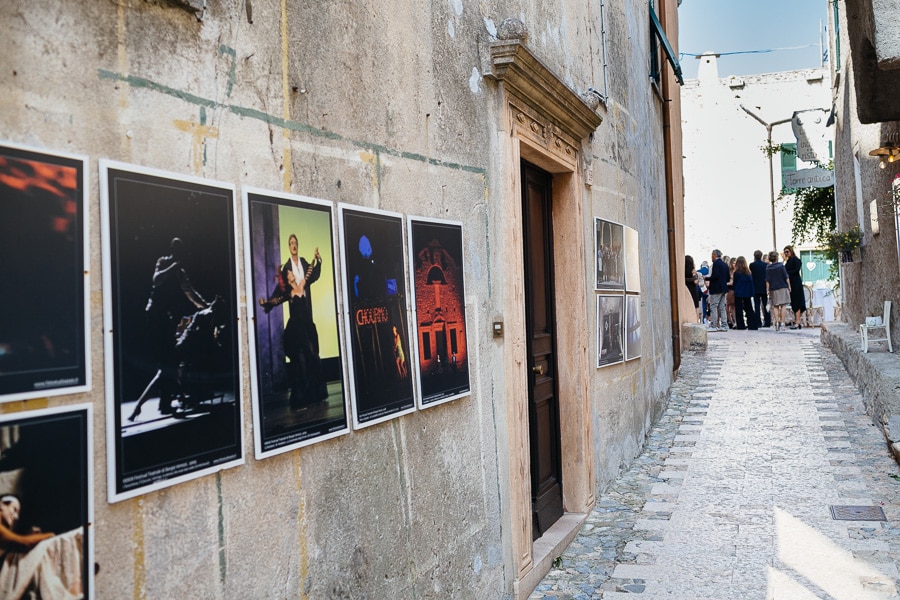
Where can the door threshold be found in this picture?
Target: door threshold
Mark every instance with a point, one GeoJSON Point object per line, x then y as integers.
{"type": "Point", "coordinates": [546, 549]}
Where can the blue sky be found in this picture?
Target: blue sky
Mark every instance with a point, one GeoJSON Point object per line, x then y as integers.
{"type": "Point", "coordinates": [724, 26]}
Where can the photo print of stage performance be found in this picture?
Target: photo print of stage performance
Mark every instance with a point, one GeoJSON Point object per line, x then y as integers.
{"type": "Point", "coordinates": [43, 341]}
{"type": "Point", "coordinates": [46, 508]}
{"type": "Point", "coordinates": [377, 324]}
{"type": "Point", "coordinates": [436, 270]}
{"type": "Point", "coordinates": [172, 349]}
{"type": "Point", "coordinates": [609, 248]}
{"type": "Point", "coordinates": [296, 357]}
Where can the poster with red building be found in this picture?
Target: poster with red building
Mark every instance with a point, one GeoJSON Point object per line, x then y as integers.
{"type": "Point", "coordinates": [442, 356]}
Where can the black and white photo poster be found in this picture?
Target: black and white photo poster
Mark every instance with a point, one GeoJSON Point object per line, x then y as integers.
{"type": "Point", "coordinates": [610, 315]}
{"type": "Point", "coordinates": [173, 379]}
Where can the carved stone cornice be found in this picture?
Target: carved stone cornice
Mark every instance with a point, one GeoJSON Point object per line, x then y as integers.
{"type": "Point", "coordinates": [528, 79]}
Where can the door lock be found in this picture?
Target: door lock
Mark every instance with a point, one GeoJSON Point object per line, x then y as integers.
{"type": "Point", "coordinates": [538, 370]}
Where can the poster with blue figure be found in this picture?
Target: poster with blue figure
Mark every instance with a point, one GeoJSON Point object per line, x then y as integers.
{"type": "Point", "coordinates": [377, 324]}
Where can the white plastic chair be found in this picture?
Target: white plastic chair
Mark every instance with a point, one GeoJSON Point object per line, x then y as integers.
{"type": "Point", "coordinates": [885, 325]}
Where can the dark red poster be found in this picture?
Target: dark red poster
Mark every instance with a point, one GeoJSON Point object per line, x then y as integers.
{"type": "Point", "coordinates": [436, 271]}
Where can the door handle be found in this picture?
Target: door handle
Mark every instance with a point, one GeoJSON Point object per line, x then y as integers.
{"type": "Point", "coordinates": [538, 370]}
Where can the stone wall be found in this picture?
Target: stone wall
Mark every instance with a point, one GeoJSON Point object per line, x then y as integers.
{"type": "Point", "coordinates": [377, 105]}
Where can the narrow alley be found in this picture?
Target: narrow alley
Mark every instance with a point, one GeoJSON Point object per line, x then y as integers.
{"type": "Point", "coordinates": [764, 479]}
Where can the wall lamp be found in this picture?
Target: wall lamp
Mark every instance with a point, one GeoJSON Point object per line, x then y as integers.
{"type": "Point", "coordinates": [887, 153]}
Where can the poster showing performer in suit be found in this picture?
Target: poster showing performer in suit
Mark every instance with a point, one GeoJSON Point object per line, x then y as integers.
{"type": "Point", "coordinates": [43, 269]}
{"type": "Point", "coordinates": [46, 503]}
{"type": "Point", "coordinates": [171, 323]}
{"type": "Point", "coordinates": [374, 279]}
{"type": "Point", "coordinates": [296, 357]}
{"type": "Point", "coordinates": [439, 300]}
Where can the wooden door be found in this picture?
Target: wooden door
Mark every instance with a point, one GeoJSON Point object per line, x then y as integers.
{"type": "Point", "coordinates": [543, 407]}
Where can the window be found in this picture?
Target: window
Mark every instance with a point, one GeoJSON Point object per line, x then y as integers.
{"type": "Point", "coordinates": [659, 41]}
{"type": "Point", "coordinates": [426, 345]}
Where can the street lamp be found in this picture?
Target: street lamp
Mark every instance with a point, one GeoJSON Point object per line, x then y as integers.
{"type": "Point", "coordinates": [769, 127]}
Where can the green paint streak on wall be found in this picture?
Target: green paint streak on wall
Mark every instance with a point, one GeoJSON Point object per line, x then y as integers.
{"type": "Point", "coordinates": [252, 113]}
{"type": "Point", "coordinates": [140, 83]}
{"type": "Point", "coordinates": [222, 565]}
{"type": "Point", "coordinates": [223, 49]}
{"type": "Point", "coordinates": [203, 115]}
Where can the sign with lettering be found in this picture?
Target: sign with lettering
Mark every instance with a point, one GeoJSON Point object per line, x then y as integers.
{"type": "Point", "coordinates": [804, 178]}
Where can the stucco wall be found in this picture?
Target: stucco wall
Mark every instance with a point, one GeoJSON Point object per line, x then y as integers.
{"type": "Point", "coordinates": [728, 200]}
{"type": "Point", "coordinates": [380, 105]}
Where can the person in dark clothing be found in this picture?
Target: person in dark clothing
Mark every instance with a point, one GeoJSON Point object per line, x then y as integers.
{"type": "Point", "coordinates": [779, 287]}
{"type": "Point", "coordinates": [719, 277]}
{"type": "Point", "coordinates": [690, 281]}
{"type": "Point", "coordinates": [760, 298]}
{"type": "Point", "coordinates": [301, 338]}
{"type": "Point", "coordinates": [172, 297]}
{"type": "Point", "coordinates": [743, 293]}
{"type": "Point", "coordinates": [795, 274]}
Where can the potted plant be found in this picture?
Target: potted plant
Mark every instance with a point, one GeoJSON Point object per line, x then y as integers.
{"type": "Point", "coordinates": [839, 245]}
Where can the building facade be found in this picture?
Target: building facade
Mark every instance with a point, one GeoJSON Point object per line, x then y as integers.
{"type": "Point", "coordinates": [518, 126]}
{"type": "Point", "coordinates": [732, 187]}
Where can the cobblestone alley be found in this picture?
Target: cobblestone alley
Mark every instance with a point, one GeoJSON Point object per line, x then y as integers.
{"type": "Point", "coordinates": [761, 481]}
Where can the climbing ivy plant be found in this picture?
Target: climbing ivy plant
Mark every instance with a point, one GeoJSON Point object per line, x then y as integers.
{"type": "Point", "coordinates": [814, 216]}
{"type": "Point", "coordinates": [813, 212]}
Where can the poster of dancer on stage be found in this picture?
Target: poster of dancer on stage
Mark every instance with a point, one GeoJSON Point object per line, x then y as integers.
{"type": "Point", "coordinates": [377, 325]}
{"type": "Point", "coordinates": [170, 317]}
{"type": "Point", "coordinates": [439, 301]}
{"type": "Point", "coordinates": [295, 345]}
{"type": "Point", "coordinates": [44, 346]}
{"type": "Point", "coordinates": [46, 503]}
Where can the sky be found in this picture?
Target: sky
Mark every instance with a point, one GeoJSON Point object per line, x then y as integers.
{"type": "Point", "coordinates": [725, 26]}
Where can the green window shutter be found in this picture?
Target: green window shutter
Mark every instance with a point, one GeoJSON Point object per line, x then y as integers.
{"type": "Point", "coordinates": [788, 160]}
{"type": "Point", "coordinates": [788, 157]}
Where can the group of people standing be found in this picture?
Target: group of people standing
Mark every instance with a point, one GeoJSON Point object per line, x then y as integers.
{"type": "Point", "coordinates": [729, 293]}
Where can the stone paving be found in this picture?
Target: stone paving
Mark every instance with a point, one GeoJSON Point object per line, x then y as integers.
{"type": "Point", "coordinates": [732, 495]}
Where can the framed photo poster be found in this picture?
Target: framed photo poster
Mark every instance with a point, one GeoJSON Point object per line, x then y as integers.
{"type": "Point", "coordinates": [632, 261]}
{"type": "Point", "coordinates": [632, 326]}
{"type": "Point", "coordinates": [439, 301]}
{"type": "Point", "coordinates": [377, 325]}
{"type": "Point", "coordinates": [610, 316]}
{"type": "Point", "coordinates": [44, 309]}
{"type": "Point", "coordinates": [173, 384]}
{"type": "Point", "coordinates": [295, 345]}
{"type": "Point", "coordinates": [609, 252]}
{"type": "Point", "coordinates": [46, 486]}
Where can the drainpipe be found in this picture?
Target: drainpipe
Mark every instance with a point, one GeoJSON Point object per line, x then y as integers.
{"type": "Point", "coordinates": [670, 216]}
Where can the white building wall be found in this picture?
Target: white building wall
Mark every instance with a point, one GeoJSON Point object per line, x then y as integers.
{"type": "Point", "coordinates": [727, 198]}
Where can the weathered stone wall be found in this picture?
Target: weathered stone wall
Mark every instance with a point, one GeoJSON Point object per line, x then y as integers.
{"type": "Point", "coordinates": [379, 105]}
{"type": "Point", "coordinates": [874, 276]}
